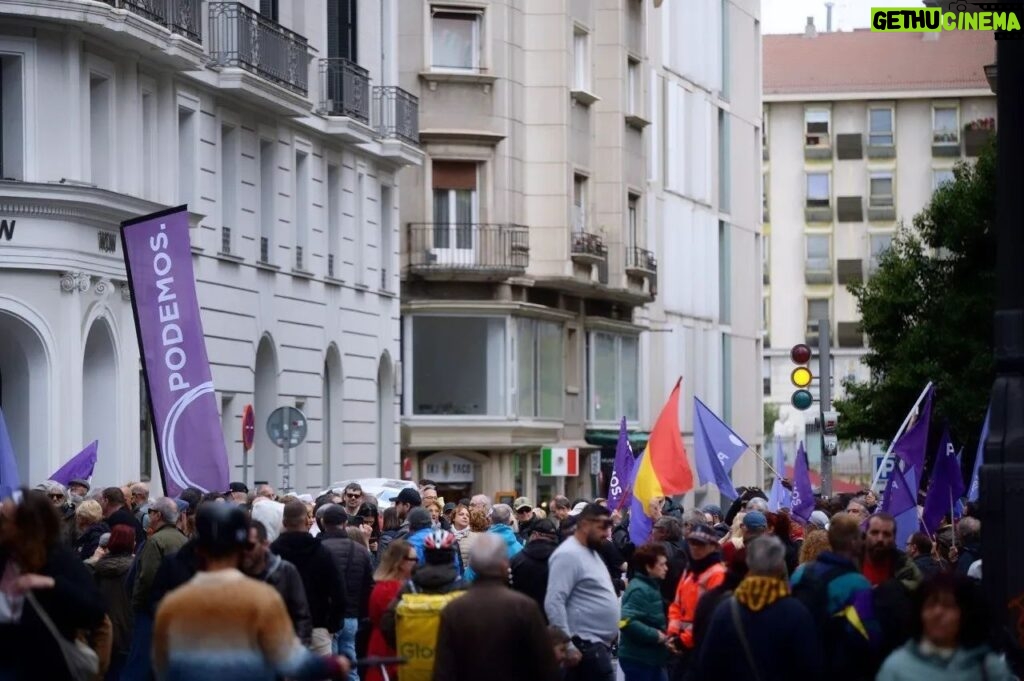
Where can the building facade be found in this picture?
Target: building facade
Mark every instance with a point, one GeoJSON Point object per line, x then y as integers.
{"type": "Point", "coordinates": [535, 235]}
{"type": "Point", "coordinates": [860, 129]}
{"type": "Point", "coordinates": [281, 126]}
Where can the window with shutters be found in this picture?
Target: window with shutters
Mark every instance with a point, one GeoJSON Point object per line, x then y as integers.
{"type": "Point", "coordinates": [818, 190]}
{"type": "Point", "coordinates": [881, 190]}
{"type": "Point", "coordinates": [816, 127]}
{"type": "Point", "coordinates": [341, 30]}
{"type": "Point", "coordinates": [455, 210]}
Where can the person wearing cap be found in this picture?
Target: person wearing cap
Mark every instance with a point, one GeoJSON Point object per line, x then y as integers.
{"type": "Point", "coordinates": [705, 572]}
{"type": "Point", "coordinates": [530, 566]}
{"type": "Point", "coordinates": [581, 600]}
{"type": "Point", "coordinates": [754, 524]}
{"type": "Point", "coordinates": [524, 517]}
{"type": "Point", "coordinates": [224, 621]}
{"type": "Point", "coordinates": [407, 500]}
{"type": "Point", "coordinates": [238, 492]}
{"type": "Point", "coordinates": [78, 488]}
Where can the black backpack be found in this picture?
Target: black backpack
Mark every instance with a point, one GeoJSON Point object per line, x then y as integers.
{"type": "Point", "coordinates": [812, 591]}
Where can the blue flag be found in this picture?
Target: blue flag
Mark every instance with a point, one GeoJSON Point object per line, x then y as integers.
{"type": "Point", "coordinates": [620, 485]}
{"type": "Point", "coordinates": [780, 497]}
{"type": "Point", "coordinates": [9, 478]}
{"type": "Point", "coordinates": [80, 466]}
{"type": "Point", "coordinates": [803, 493]}
{"type": "Point", "coordinates": [975, 488]}
{"type": "Point", "coordinates": [716, 449]}
{"type": "Point", "coordinates": [946, 487]}
{"type": "Point", "coordinates": [900, 500]}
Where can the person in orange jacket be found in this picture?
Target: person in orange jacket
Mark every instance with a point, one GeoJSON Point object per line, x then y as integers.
{"type": "Point", "coordinates": [704, 573]}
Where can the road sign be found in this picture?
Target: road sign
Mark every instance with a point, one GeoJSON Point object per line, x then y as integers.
{"type": "Point", "coordinates": [287, 428]}
{"type": "Point", "coordinates": [882, 474]}
{"type": "Point", "coordinates": [248, 427]}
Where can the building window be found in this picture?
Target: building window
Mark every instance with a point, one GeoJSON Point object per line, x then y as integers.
{"type": "Point", "coordinates": [613, 377]}
{"type": "Point", "coordinates": [579, 203]}
{"type": "Point", "coordinates": [764, 197]}
{"type": "Point", "coordinates": [880, 243]}
{"type": "Point", "coordinates": [541, 363]}
{"type": "Point", "coordinates": [817, 308]}
{"type": "Point", "coordinates": [301, 211]}
{"type": "Point", "coordinates": [880, 126]}
{"type": "Point", "coordinates": [764, 131]}
{"type": "Point", "coordinates": [187, 161]}
{"type": "Point", "coordinates": [881, 194]}
{"type": "Point", "coordinates": [145, 428]}
{"type": "Point", "coordinates": [819, 253]}
{"type": "Point", "coordinates": [149, 144]}
{"type": "Point", "coordinates": [342, 31]}
{"type": "Point", "coordinates": [456, 39]}
{"type": "Point", "coordinates": [724, 272]}
{"type": "Point", "coordinates": [268, 216]}
{"type": "Point", "coordinates": [766, 378]}
{"type": "Point", "coordinates": [632, 219]}
{"type": "Point", "coordinates": [333, 210]}
{"type": "Point", "coordinates": [581, 59]}
{"type": "Point", "coordinates": [766, 258]}
{"type": "Point", "coordinates": [727, 378]}
{"type": "Point", "coordinates": [458, 366]}
{"type": "Point", "coordinates": [269, 9]}
{"type": "Point", "coordinates": [726, 50]}
{"type": "Point", "coordinates": [455, 210]}
{"type": "Point", "coordinates": [945, 125]}
{"type": "Point", "coordinates": [100, 141]}
{"type": "Point", "coordinates": [386, 248]}
{"type": "Point", "coordinates": [359, 225]}
{"type": "Point", "coordinates": [818, 190]}
{"type": "Point", "coordinates": [724, 164]}
{"type": "Point", "coordinates": [228, 186]}
{"type": "Point", "coordinates": [941, 176]}
{"type": "Point", "coordinates": [816, 127]}
{"type": "Point", "coordinates": [12, 119]}
{"type": "Point", "coordinates": [634, 90]}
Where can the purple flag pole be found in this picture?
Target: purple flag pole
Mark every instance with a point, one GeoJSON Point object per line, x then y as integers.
{"type": "Point", "coordinates": [189, 441]}
{"type": "Point", "coordinates": [620, 485]}
{"type": "Point", "coordinates": [80, 467]}
{"type": "Point", "coordinates": [899, 433]}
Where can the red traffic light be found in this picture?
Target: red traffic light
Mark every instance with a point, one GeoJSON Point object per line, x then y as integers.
{"type": "Point", "coordinates": [800, 354]}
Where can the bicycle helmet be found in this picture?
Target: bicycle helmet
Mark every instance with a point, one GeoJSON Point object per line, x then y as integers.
{"type": "Point", "coordinates": [439, 539]}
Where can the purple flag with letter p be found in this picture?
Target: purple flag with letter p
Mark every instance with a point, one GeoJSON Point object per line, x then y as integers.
{"type": "Point", "coordinates": [803, 493]}
{"type": "Point", "coordinates": [189, 440]}
{"type": "Point", "coordinates": [620, 485]}
{"type": "Point", "coordinates": [80, 466]}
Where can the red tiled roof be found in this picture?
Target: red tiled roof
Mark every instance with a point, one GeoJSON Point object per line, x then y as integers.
{"type": "Point", "coordinates": [868, 61]}
{"type": "Point", "coordinates": [839, 486]}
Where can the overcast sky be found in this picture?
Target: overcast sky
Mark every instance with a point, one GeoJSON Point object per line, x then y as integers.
{"type": "Point", "coordinates": [790, 16]}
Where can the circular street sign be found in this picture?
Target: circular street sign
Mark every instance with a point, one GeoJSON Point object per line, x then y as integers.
{"type": "Point", "coordinates": [800, 354]}
{"type": "Point", "coordinates": [802, 399]}
{"type": "Point", "coordinates": [801, 377]}
{"type": "Point", "coordinates": [286, 427]}
{"type": "Point", "coordinates": [248, 427]}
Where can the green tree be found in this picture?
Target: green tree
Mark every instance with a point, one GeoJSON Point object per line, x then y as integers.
{"type": "Point", "coordinates": [927, 313]}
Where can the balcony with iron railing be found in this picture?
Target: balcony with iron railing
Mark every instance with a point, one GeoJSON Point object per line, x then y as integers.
{"type": "Point", "coordinates": [587, 249]}
{"type": "Point", "coordinates": [178, 16]}
{"type": "Point", "coordinates": [640, 262]}
{"type": "Point", "coordinates": [396, 114]}
{"type": "Point", "coordinates": [345, 89]}
{"type": "Point", "coordinates": [467, 250]}
{"type": "Point", "coordinates": [242, 38]}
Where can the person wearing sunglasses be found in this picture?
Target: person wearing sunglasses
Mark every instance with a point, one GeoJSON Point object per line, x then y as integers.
{"type": "Point", "coordinates": [353, 498]}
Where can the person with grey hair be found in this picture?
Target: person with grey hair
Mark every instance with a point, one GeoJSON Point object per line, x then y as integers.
{"type": "Point", "coordinates": [481, 502]}
{"type": "Point", "coordinates": [762, 631]}
{"type": "Point", "coordinates": [501, 526]}
{"type": "Point", "coordinates": [58, 496]}
{"type": "Point", "coordinates": [489, 612]}
{"type": "Point", "coordinates": [757, 504]}
{"type": "Point", "coordinates": [165, 538]}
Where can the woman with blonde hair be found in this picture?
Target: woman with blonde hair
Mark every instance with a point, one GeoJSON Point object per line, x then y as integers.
{"type": "Point", "coordinates": [90, 526]}
{"type": "Point", "coordinates": [395, 569]}
{"type": "Point", "coordinates": [814, 544]}
{"type": "Point", "coordinates": [478, 524]}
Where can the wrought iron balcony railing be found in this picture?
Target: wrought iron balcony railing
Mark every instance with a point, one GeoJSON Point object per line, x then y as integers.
{"type": "Point", "coordinates": [244, 38]}
{"type": "Point", "coordinates": [396, 114]}
{"type": "Point", "coordinates": [178, 16]}
{"type": "Point", "coordinates": [346, 89]}
{"type": "Point", "coordinates": [587, 246]}
{"type": "Point", "coordinates": [641, 260]}
{"type": "Point", "coordinates": [468, 247]}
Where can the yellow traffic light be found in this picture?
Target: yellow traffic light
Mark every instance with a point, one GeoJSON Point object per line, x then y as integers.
{"type": "Point", "coordinates": [801, 377]}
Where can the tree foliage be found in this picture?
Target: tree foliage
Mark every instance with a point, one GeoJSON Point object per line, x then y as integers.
{"type": "Point", "coordinates": [928, 313]}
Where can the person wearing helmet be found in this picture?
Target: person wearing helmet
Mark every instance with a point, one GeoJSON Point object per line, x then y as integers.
{"type": "Point", "coordinates": [438, 574]}
{"type": "Point", "coordinates": [227, 626]}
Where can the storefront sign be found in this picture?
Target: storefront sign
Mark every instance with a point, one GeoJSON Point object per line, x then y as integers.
{"type": "Point", "coordinates": [447, 468]}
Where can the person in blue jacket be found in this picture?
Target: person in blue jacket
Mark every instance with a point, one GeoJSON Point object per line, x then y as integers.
{"type": "Point", "coordinates": [501, 525]}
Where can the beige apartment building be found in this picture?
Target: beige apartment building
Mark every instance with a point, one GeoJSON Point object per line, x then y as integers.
{"type": "Point", "coordinates": [530, 234]}
{"type": "Point", "coordinates": [860, 128]}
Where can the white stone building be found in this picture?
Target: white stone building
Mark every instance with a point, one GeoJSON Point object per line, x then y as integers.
{"type": "Point", "coordinates": [860, 128]}
{"type": "Point", "coordinates": [284, 133]}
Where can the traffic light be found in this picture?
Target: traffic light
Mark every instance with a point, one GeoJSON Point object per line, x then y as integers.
{"type": "Point", "coordinates": [801, 377]}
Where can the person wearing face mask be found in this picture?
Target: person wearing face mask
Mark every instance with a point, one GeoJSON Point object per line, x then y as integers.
{"type": "Point", "coordinates": [949, 642]}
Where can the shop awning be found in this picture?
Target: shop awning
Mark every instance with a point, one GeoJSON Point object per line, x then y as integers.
{"type": "Point", "coordinates": [610, 438]}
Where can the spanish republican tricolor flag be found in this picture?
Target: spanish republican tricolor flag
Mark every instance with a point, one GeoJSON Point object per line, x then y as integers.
{"type": "Point", "coordinates": [663, 469]}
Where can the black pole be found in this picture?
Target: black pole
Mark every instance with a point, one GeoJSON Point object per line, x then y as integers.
{"type": "Point", "coordinates": [1002, 475]}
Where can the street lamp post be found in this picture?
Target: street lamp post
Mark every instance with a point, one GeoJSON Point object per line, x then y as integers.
{"type": "Point", "coordinates": [1002, 475]}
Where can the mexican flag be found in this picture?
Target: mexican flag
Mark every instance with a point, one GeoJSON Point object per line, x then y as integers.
{"type": "Point", "coordinates": [559, 461]}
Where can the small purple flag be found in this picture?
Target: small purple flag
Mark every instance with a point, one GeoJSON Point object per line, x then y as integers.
{"type": "Point", "coordinates": [10, 481]}
{"type": "Point", "coordinates": [640, 524]}
{"type": "Point", "coordinates": [975, 489]}
{"type": "Point", "coordinates": [912, 445]}
{"type": "Point", "coordinates": [620, 486]}
{"type": "Point", "coordinates": [900, 500]}
{"type": "Point", "coordinates": [80, 466]}
{"type": "Point", "coordinates": [803, 493]}
{"type": "Point", "coordinates": [946, 486]}
{"type": "Point", "coordinates": [189, 439]}
{"type": "Point", "coordinates": [716, 449]}
{"type": "Point", "coordinates": [780, 497]}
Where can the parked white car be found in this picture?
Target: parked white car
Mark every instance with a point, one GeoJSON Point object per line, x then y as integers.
{"type": "Point", "coordinates": [385, 489]}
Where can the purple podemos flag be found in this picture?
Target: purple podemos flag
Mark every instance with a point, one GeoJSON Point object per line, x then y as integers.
{"type": "Point", "coordinates": [620, 486]}
{"type": "Point", "coordinates": [189, 440]}
{"type": "Point", "coordinates": [803, 493]}
{"type": "Point", "coordinates": [946, 486]}
{"type": "Point", "coordinates": [80, 466]}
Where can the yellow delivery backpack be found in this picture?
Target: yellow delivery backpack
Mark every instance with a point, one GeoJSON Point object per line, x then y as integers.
{"type": "Point", "coordinates": [417, 620]}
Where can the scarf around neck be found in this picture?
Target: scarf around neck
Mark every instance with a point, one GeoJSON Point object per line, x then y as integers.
{"type": "Point", "coordinates": [756, 593]}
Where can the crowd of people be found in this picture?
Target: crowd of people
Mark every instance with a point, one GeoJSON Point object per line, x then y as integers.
{"type": "Point", "coordinates": [111, 583]}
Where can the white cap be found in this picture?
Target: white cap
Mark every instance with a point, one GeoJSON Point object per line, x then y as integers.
{"type": "Point", "coordinates": [578, 508]}
{"type": "Point", "coordinates": [819, 519]}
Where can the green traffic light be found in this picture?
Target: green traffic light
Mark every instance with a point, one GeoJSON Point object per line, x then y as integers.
{"type": "Point", "coordinates": [802, 399]}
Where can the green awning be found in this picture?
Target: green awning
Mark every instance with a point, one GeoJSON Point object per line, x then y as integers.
{"type": "Point", "coordinates": [610, 438]}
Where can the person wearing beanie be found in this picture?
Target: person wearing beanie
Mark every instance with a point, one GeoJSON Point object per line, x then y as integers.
{"type": "Point", "coordinates": [226, 626]}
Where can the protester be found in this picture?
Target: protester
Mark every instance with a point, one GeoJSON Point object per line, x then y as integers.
{"type": "Point", "coordinates": [704, 573]}
{"type": "Point", "coordinates": [882, 560]}
{"type": "Point", "coordinates": [920, 549]}
{"type": "Point", "coordinates": [501, 526]}
{"type": "Point", "coordinates": [259, 562]}
{"type": "Point", "coordinates": [478, 524]}
{"type": "Point", "coordinates": [90, 527]}
{"type": "Point", "coordinates": [395, 569]}
{"type": "Point", "coordinates": [815, 543]}
{"type": "Point", "coordinates": [529, 567]}
{"type": "Point", "coordinates": [968, 549]}
{"type": "Point", "coordinates": [644, 644]}
{"type": "Point", "coordinates": [490, 612]}
{"type": "Point", "coordinates": [351, 560]}
{"type": "Point", "coordinates": [109, 572]}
